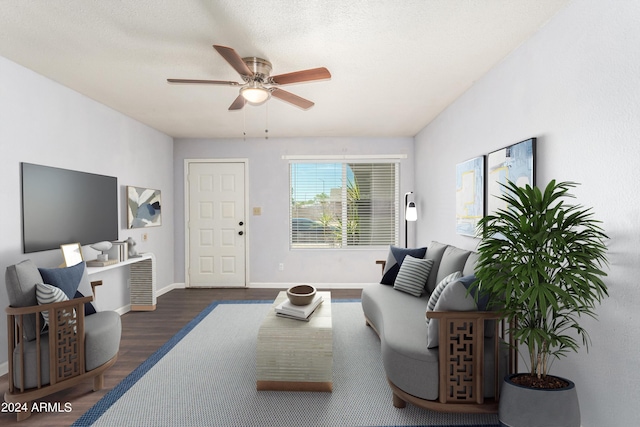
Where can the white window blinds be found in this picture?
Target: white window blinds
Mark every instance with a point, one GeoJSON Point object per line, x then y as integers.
{"type": "Point", "coordinates": [344, 204]}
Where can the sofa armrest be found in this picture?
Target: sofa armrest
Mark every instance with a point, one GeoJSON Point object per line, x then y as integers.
{"type": "Point", "coordinates": [66, 340]}
{"type": "Point", "coordinates": [461, 354]}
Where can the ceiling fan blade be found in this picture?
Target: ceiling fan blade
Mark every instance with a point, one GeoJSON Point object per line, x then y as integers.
{"type": "Point", "coordinates": [209, 82]}
{"type": "Point", "coordinates": [238, 103]}
{"type": "Point", "coordinates": [235, 60]}
{"type": "Point", "coordinates": [302, 76]}
{"type": "Point", "coordinates": [289, 97]}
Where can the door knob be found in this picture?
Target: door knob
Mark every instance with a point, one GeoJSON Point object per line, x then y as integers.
{"type": "Point", "coordinates": [241, 232]}
{"type": "Point", "coordinates": [241, 223]}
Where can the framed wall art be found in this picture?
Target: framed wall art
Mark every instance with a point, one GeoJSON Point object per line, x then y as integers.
{"type": "Point", "coordinates": [469, 195]}
{"type": "Point", "coordinates": [143, 207]}
{"type": "Point", "coordinates": [72, 254]}
{"type": "Point", "coordinates": [515, 163]}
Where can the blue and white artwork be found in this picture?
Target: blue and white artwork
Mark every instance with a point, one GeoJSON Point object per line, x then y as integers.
{"type": "Point", "coordinates": [143, 207]}
{"type": "Point", "coordinates": [469, 195]}
{"type": "Point", "coordinates": [514, 163]}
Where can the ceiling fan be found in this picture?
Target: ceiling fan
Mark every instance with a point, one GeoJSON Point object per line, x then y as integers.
{"type": "Point", "coordinates": [258, 86]}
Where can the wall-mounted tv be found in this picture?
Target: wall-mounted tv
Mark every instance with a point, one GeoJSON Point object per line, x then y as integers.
{"type": "Point", "coordinates": [62, 206]}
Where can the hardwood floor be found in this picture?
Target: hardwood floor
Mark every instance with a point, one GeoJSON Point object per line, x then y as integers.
{"type": "Point", "coordinates": [142, 334]}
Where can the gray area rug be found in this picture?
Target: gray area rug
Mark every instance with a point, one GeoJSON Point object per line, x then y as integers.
{"type": "Point", "coordinates": [205, 376]}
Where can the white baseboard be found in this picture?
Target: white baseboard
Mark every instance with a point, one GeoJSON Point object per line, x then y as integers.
{"type": "Point", "coordinates": [123, 310]}
{"type": "Point", "coordinates": [170, 288]}
{"type": "Point", "coordinates": [285, 286]}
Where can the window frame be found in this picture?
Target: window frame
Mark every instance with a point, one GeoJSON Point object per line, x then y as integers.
{"type": "Point", "coordinates": [346, 160]}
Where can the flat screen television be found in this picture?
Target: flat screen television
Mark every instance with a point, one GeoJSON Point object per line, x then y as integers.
{"type": "Point", "coordinates": [61, 206]}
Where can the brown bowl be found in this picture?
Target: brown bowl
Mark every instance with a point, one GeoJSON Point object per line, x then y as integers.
{"type": "Point", "coordinates": [301, 294]}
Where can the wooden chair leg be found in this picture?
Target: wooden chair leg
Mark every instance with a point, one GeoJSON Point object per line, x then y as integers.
{"type": "Point", "coordinates": [98, 382]}
{"type": "Point", "coordinates": [398, 402]}
{"type": "Point", "coordinates": [23, 415]}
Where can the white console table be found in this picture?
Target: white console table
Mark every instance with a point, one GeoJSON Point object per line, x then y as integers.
{"type": "Point", "coordinates": [142, 273]}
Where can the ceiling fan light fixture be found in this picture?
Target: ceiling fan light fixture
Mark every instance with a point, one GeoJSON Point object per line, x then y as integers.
{"type": "Point", "coordinates": [255, 94]}
{"type": "Point", "coordinates": [256, 73]}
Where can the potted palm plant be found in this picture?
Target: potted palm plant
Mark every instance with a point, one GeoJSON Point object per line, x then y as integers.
{"type": "Point", "coordinates": [541, 263]}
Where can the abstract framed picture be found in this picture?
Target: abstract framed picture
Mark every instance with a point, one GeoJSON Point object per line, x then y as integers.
{"type": "Point", "coordinates": [143, 207]}
{"type": "Point", "coordinates": [469, 196]}
{"type": "Point", "coordinates": [515, 163]}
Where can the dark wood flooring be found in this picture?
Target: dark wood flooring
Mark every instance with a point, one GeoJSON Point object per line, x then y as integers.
{"type": "Point", "coordinates": [142, 334]}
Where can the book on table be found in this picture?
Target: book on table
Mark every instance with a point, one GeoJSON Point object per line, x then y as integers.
{"type": "Point", "coordinates": [299, 312]}
{"type": "Point", "coordinates": [119, 251]}
{"type": "Point", "coordinates": [96, 263]}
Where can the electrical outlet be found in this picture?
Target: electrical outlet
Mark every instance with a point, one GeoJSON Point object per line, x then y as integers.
{"type": "Point", "coordinates": [281, 266]}
{"type": "Point", "coordinates": [145, 237]}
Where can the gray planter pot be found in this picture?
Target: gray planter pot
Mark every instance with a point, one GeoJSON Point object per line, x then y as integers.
{"type": "Point", "coordinates": [528, 407]}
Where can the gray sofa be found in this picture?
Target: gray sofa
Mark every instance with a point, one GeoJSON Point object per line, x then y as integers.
{"type": "Point", "coordinates": [412, 367]}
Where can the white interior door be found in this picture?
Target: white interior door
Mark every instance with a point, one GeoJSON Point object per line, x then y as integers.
{"type": "Point", "coordinates": [216, 225]}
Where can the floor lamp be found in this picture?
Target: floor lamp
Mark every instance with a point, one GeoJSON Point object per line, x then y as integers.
{"type": "Point", "coordinates": [410, 214]}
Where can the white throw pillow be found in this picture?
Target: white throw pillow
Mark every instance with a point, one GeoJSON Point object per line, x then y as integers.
{"type": "Point", "coordinates": [433, 299]}
{"type": "Point", "coordinates": [413, 275]}
{"type": "Point", "coordinates": [47, 294]}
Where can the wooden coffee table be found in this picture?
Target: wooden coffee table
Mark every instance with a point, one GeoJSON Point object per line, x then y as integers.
{"type": "Point", "coordinates": [294, 355]}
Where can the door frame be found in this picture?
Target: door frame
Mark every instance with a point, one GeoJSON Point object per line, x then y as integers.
{"type": "Point", "coordinates": [247, 222]}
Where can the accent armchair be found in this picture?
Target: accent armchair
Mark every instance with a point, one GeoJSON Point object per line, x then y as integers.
{"type": "Point", "coordinates": [55, 345]}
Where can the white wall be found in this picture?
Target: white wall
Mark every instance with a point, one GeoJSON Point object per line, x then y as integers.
{"type": "Point", "coordinates": [268, 233]}
{"type": "Point", "coordinates": [45, 123]}
{"type": "Point", "coordinates": [576, 87]}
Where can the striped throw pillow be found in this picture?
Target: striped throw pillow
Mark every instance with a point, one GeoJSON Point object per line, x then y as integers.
{"type": "Point", "coordinates": [413, 275]}
{"type": "Point", "coordinates": [433, 299]}
{"type": "Point", "coordinates": [47, 294]}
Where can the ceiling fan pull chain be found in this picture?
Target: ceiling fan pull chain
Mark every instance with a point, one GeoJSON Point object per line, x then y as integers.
{"type": "Point", "coordinates": [244, 124]}
{"type": "Point", "coordinates": [266, 125]}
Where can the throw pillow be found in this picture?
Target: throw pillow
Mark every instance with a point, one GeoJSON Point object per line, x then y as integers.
{"type": "Point", "coordinates": [88, 307]}
{"type": "Point", "coordinates": [67, 279]}
{"type": "Point", "coordinates": [413, 275]}
{"type": "Point", "coordinates": [452, 298]}
{"type": "Point", "coordinates": [47, 294]}
{"type": "Point", "coordinates": [435, 295]}
{"type": "Point", "coordinates": [394, 261]}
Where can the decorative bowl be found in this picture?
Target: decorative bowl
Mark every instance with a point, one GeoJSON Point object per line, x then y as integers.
{"type": "Point", "coordinates": [301, 294]}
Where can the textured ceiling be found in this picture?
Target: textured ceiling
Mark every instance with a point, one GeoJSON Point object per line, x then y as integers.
{"type": "Point", "coordinates": [395, 65]}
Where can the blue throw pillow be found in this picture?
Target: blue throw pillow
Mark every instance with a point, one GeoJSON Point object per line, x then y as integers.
{"type": "Point", "coordinates": [394, 261]}
{"type": "Point", "coordinates": [67, 279]}
{"type": "Point", "coordinates": [483, 300]}
{"type": "Point", "coordinates": [88, 307]}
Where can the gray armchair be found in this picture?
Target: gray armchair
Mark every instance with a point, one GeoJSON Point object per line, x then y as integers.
{"type": "Point", "coordinates": [70, 347]}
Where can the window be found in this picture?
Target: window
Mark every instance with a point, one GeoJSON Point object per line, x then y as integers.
{"type": "Point", "coordinates": [344, 204]}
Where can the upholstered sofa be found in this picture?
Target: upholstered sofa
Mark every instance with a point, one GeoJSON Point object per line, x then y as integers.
{"type": "Point", "coordinates": [442, 357]}
{"type": "Point", "coordinates": [56, 338]}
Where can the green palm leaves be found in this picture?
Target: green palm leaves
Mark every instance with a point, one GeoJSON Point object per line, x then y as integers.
{"type": "Point", "coordinates": [541, 263]}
